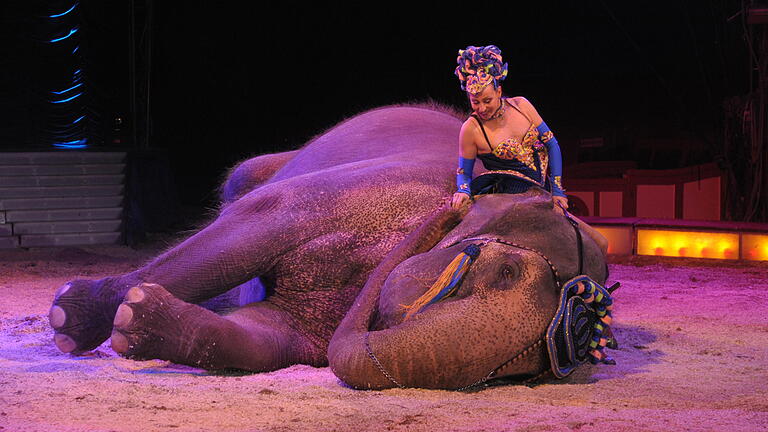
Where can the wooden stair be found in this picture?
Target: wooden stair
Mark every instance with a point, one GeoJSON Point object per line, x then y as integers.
{"type": "Point", "coordinates": [61, 198]}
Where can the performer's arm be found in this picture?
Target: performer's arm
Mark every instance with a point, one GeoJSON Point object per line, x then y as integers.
{"type": "Point", "coordinates": [555, 159]}
{"type": "Point", "coordinates": [464, 175]}
{"type": "Point", "coordinates": [553, 149]}
{"type": "Point", "coordinates": [467, 153]}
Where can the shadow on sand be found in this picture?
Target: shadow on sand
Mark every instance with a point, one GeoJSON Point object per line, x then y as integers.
{"type": "Point", "coordinates": [632, 356]}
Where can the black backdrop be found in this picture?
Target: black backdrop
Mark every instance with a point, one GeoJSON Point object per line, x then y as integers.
{"type": "Point", "coordinates": [228, 81]}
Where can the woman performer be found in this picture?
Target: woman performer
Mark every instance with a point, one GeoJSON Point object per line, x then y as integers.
{"type": "Point", "coordinates": [507, 134]}
{"type": "Point", "coordinates": [525, 153]}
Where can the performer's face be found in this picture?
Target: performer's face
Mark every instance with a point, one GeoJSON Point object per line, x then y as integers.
{"type": "Point", "coordinates": [486, 102]}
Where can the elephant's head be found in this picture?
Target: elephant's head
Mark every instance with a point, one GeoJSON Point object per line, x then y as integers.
{"type": "Point", "coordinates": [493, 325]}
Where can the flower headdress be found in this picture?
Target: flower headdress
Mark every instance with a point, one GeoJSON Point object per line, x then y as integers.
{"type": "Point", "coordinates": [480, 66]}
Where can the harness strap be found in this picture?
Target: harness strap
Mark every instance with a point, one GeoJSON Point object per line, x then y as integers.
{"type": "Point", "coordinates": [579, 241]}
{"type": "Point", "coordinates": [482, 128]}
{"type": "Point", "coordinates": [486, 240]}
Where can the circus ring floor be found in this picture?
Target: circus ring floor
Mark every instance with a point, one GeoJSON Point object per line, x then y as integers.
{"type": "Point", "coordinates": [693, 356]}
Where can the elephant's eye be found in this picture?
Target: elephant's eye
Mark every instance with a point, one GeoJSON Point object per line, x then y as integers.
{"type": "Point", "coordinates": [509, 271]}
{"type": "Point", "coordinates": [512, 267]}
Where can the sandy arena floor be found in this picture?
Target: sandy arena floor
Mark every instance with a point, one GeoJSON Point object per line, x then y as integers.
{"type": "Point", "coordinates": [693, 357]}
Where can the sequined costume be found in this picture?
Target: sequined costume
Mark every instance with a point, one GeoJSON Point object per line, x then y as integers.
{"type": "Point", "coordinates": [515, 165]}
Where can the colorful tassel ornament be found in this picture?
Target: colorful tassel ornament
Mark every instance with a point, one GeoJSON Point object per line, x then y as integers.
{"type": "Point", "coordinates": [448, 281]}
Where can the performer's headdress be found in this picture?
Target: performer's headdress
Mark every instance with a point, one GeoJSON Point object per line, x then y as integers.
{"type": "Point", "coordinates": [480, 66]}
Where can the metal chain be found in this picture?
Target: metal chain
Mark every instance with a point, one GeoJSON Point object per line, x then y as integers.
{"type": "Point", "coordinates": [378, 363]}
{"type": "Point", "coordinates": [478, 382]}
{"type": "Point", "coordinates": [522, 354]}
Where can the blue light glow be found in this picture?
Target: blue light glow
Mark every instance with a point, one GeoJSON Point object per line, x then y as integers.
{"type": "Point", "coordinates": [64, 13]}
{"type": "Point", "coordinates": [64, 91]}
{"type": "Point", "coordinates": [66, 135]}
{"type": "Point", "coordinates": [71, 32]}
{"type": "Point", "coordinates": [81, 143]}
{"type": "Point", "coordinates": [69, 133]}
{"type": "Point", "coordinates": [67, 99]}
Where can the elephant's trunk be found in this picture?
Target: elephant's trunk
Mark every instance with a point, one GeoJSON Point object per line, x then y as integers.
{"type": "Point", "coordinates": [347, 354]}
{"type": "Point", "coordinates": [453, 345]}
{"type": "Point", "coordinates": [430, 351]}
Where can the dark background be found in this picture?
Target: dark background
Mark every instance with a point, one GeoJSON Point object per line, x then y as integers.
{"type": "Point", "coordinates": [229, 80]}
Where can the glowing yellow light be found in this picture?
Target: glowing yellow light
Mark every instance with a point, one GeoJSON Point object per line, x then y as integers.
{"type": "Point", "coordinates": [692, 244]}
{"type": "Point", "coordinates": [619, 239]}
{"type": "Point", "coordinates": [754, 247]}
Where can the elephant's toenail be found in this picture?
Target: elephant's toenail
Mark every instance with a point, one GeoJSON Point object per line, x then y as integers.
{"type": "Point", "coordinates": [119, 342]}
{"type": "Point", "coordinates": [64, 288]}
{"type": "Point", "coordinates": [135, 295]}
{"type": "Point", "coordinates": [123, 316]}
{"type": "Point", "coordinates": [65, 343]}
{"type": "Point", "coordinates": [56, 317]}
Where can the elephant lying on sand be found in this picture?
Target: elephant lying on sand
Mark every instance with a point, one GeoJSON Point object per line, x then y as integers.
{"type": "Point", "coordinates": [312, 225]}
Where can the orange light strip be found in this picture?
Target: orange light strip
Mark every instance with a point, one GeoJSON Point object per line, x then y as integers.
{"type": "Point", "coordinates": [694, 244]}
{"type": "Point", "coordinates": [619, 239]}
{"type": "Point", "coordinates": [754, 247]}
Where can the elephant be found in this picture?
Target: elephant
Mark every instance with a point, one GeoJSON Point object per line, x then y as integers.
{"type": "Point", "coordinates": [341, 234]}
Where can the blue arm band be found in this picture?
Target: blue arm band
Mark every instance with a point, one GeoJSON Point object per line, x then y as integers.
{"type": "Point", "coordinates": [555, 159]}
{"type": "Point", "coordinates": [464, 175]}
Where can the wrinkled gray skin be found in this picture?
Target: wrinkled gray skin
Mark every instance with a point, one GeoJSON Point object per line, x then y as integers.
{"type": "Point", "coordinates": [361, 207]}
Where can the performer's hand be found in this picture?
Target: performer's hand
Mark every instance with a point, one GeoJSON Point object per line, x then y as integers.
{"type": "Point", "coordinates": [459, 200]}
{"type": "Point", "coordinates": [561, 203]}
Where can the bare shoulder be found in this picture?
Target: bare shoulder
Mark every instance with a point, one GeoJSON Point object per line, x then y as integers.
{"type": "Point", "coordinates": [520, 101]}
{"type": "Point", "coordinates": [469, 128]}
{"type": "Point", "coordinates": [527, 107]}
{"type": "Point", "coordinates": [468, 138]}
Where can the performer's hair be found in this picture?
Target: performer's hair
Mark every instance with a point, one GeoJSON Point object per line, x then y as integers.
{"type": "Point", "coordinates": [475, 62]}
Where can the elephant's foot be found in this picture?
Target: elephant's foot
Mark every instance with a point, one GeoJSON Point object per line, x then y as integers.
{"type": "Point", "coordinates": [82, 314]}
{"type": "Point", "coordinates": [153, 324]}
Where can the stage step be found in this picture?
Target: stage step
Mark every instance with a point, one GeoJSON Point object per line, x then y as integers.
{"type": "Point", "coordinates": [62, 158]}
{"type": "Point", "coordinates": [66, 227]}
{"type": "Point", "coordinates": [61, 198]}
{"type": "Point", "coordinates": [60, 180]}
{"type": "Point", "coordinates": [61, 215]}
{"type": "Point", "coordinates": [65, 191]}
{"type": "Point", "coordinates": [9, 242]}
{"type": "Point", "coordinates": [60, 203]}
{"type": "Point", "coordinates": [59, 170]}
{"type": "Point", "coordinates": [70, 239]}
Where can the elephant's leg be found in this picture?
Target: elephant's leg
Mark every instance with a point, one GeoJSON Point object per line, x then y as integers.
{"type": "Point", "coordinates": [241, 179]}
{"type": "Point", "coordinates": [249, 174]}
{"type": "Point", "coordinates": [152, 323]}
{"type": "Point", "coordinates": [244, 242]}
